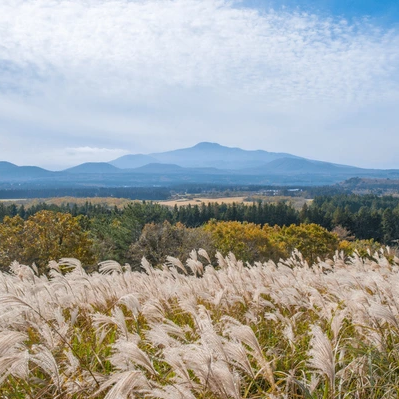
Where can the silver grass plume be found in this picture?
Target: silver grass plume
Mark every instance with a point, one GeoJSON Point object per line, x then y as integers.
{"type": "Point", "coordinates": [72, 363]}
{"type": "Point", "coordinates": [110, 266]}
{"type": "Point", "coordinates": [221, 261]}
{"type": "Point", "coordinates": [23, 272]}
{"type": "Point", "coordinates": [237, 356]}
{"type": "Point", "coordinates": [53, 265]}
{"type": "Point", "coordinates": [127, 353]}
{"type": "Point", "coordinates": [171, 261]}
{"type": "Point", "coordinates": [194, 264]}
{"type": "Point", "coordinates": [14, 357]}
{"type": "Point", "coordinates": [172, 392]}
{"type": "Point", "coordinates": [46, 361]}
{"type": "Point", "coordinates": [72, 263]}
{"type": "Point", "coordinates": [13, 301]}
{"type": "Point", "coordinates": [336, 323]}
{"type": "Point", "coordinates": [204, 254]}
{"type": "Point", "coordinates": [102, 321]}
{"type": "Point", "coordinates": [147, 266]}
{"type": "Point", "coordinates": [35, 269]}
{"type": "Point", "coordinates": [243, 333]}
{"type": "Point", "coordinates": [8, 339]}
{"type": "Point", "coordinates": [173, 356]}
{"type": "Point", "coordinates": [321, 354]}
{"type": "Point", "coordinates": [212, 373]}
{"type": "Point", "coordinates": [383, 313]}
{"type": "Point", "coordinates": [124, 384]}
{"type": "Point", "coordinates": [132, 303]}
{"type": "Point", "coordinates": [153, 310]}
{"type": "Point", "coordinates": [172, 328]}
{"type": "Point", "coordinates": [16, 364]}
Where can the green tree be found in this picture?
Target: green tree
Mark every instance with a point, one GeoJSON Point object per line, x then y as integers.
{"type": "Point", "coordinates": [388, 225]}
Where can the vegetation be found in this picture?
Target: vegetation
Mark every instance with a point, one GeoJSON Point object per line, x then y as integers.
{"type": "Point", "coordinates": [195, 331]}
{"type": "Point", "coordinates": [365, 216]}
{"type": "Point", "coordinates": [259, 231]}
{"type": "Point", "coordinates": [323, 323]}
{"type": "Point", "coordinates": [44, 236]}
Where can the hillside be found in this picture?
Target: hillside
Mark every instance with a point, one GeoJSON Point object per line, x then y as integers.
{"type": "Point", "coordinates": [9, 171]}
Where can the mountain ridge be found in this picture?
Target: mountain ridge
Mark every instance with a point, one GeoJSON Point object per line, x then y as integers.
{"type": "Point", "coordinates": [205, 162]}
{"type": "Point", "coordinates": [206, 154]}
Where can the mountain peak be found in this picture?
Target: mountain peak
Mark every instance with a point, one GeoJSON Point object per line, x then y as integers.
{"type": "Point", "coordinates": [207, 145]}
{"type": "Point", "coordinates": [5, 164]}
{"type": "Point", "coordinates": [204, 154]}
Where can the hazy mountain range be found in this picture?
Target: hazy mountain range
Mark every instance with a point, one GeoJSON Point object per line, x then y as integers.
{"type": "Point", "coordinates": [203, 163]}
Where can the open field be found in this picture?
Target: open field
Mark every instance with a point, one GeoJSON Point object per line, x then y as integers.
{"type": "Point", "coordinates": [297, 202]}
{"type": "Point", "coordinates": [198, 332]}
{"type": "Point", "coordinates": [204, 200]}
{"type": "Point", "coordinates": [14, 201]}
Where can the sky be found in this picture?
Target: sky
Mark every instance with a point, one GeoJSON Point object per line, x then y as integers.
{"type": "Point", "coordinates": [92, 80]}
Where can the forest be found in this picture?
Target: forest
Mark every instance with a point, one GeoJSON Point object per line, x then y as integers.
{"type": "Point", "coordinates": [217, 301]}
{"type": "Point", "coordinates": [258, 231]}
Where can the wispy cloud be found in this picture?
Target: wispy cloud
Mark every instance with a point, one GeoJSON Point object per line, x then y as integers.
{"type": "Point", "coordinates": [176, 71]}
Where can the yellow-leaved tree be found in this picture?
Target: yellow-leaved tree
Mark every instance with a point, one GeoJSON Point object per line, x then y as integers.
{"type": "Point", "coordinates": [248, 241]}
{"type": "Point", "coordinates": [251, 242]}
{"type": "Point", "coordinates": [45, 236]}
{"type": "Point", "coordinates": [311, 240]}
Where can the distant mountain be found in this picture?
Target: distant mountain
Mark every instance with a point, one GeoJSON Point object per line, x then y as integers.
{"type": "Point", "coordinates": [299, 166]}
{"type": "Point", "coordinates": [167, 168]}
{"type": "Point", "coordinates": [93, 167]}
{"type": "Point", "coordinates": [9, 171]}
{"type": "Point", "coordinates": [158, 168]}
{"type": "Point", "coordinates": [133, 161]}
{"type": "Point", "coordinates": [205, 163]}
{"type": "Point", "coordinates": [205, 155]}
{"type": "Point", "coordinates": [7, 166]}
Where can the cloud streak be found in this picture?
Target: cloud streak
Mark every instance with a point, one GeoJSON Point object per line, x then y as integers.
{"type": "Point", "coordinates": [114, 46]}
{"type": "Point", "coordinates": [86, 62]}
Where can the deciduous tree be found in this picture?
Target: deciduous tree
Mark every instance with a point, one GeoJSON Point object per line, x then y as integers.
{"type": "Point", "coordinates": [43, 237]}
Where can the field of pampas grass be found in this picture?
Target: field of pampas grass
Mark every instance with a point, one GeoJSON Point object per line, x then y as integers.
{"type": "Point", "coordinates": [191, 330]}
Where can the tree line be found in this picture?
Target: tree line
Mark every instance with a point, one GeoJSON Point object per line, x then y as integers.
{"type": "Point", "coordinates": [255, 232]}
{"type": "Point", "coordinates": [363, 216]}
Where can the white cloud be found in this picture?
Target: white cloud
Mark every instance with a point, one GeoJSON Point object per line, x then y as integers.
{"type": "Point", "coordinates": [119, 46]}
{"type": "Point", "coordinates": [157, 74]}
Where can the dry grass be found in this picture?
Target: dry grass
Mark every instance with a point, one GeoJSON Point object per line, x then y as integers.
{"type": "Point", "coordinates": [18, 201]}
{"type": "Point", "coordinates": [203, 200]}
{"type": "Point", "coordinates": [296, 202]}
{"type": "Point", "coordinates": [191, 330]}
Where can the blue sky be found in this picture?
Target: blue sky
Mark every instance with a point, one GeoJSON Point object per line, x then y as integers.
{"type": "Point", "coordinates": [384, 12]}
{"type": "Point", "coordinates": [96, 79]}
